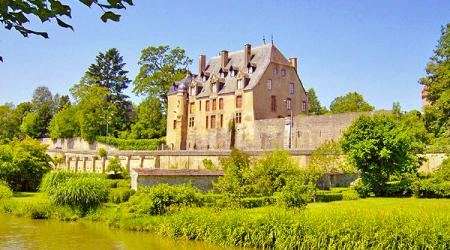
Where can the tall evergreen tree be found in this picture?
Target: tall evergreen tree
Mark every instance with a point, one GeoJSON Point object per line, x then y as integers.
{"type": "Point", "coordinates": [437, 83]}
{"type": "Point", "coordinates": [108, 72]}
{"type": "Point", "coordinates": [314, 104]}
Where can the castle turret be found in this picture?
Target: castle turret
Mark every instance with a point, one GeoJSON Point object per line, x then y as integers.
{"type": "Point", "coordinates": [177, 99]}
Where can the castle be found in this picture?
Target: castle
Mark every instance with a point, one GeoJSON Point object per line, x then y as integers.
{"type": "Point", "coordinates": [219, 107]}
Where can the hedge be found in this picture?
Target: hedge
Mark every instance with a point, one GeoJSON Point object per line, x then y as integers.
{"type": "Point", "coordinates": [132, 144]}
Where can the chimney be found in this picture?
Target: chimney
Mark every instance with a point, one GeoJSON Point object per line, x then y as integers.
{"type": "Point", "coordinates": [293, 61]}
{"type": "Point", "coordinates": [223, 58]}
{"type": "Point", "coordinates": [247, 54]}
{"type": "Point", "coordinates": [201, 64]}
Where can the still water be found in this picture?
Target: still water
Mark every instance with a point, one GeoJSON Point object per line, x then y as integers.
{"type": "Point", "coordinates": [21, 233]}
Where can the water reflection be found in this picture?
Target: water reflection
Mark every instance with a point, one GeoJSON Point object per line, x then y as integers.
{"type": "Point", "coordinates": [21, 233]}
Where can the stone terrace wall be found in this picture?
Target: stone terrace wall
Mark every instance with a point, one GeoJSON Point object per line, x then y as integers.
{"type": "Point", "coordinates": [308, 132]}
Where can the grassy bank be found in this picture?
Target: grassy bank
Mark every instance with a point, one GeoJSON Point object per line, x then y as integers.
{"type": "Point", "coordinates": [367, 223]}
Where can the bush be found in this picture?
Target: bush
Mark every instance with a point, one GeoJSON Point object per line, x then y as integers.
{"type": "Point", "coordinates": [157, 199]}
{"type": "Point", "coordinates": [210, 199]}
{"type": "Point", "coordinates": [132, 144]}
{"type": "Point", "coordinates": [115, 166]}
{"type": "Point", "coordinates": [23, 164]}
{"type": "Point", "coordinates": [325, 196]}
{"type": "Point", "coordinates": [5, 192]}
{"type": "Point", "coordinates": [362, 189]}
{"type": "Point", "coordinates": [350, 195]}
{"type": "Point", "coordinates": [82, 193]}
{"type": "Point", "coordinates": [400, 188]}
{"type": "Point", "coordinates": [294, 194]}
{"type": "Point", "coordinates": [429, 188]}
{"type": "Point", "coordinates": [119, 195]}
{"type": "Point", "coordinates": [257, 202]}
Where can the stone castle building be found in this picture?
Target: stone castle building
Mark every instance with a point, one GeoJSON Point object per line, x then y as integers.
{"type": "Point", "coordinates": [221, 105]}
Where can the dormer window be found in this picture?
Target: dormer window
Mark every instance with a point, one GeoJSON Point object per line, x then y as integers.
{"type": "Point", "coordinates": [251, 69]}
{"type": "Point", "coordinates": [233, 73]}
{"type": "Point", "coordinates": [222, 74]}
{"type": "Point", "coordinates": [214, 87]}
{"type": "Point", "coordinates": [193, 91]}
{"type": "Point", "coordinates": [240, 84]}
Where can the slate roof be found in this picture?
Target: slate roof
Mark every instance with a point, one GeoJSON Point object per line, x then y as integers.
{"type": "Point", "coordinates": [261, 57]}
{"type": "Point", "coordinates": [181, 85]}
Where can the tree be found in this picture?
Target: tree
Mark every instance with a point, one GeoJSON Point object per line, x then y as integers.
{"type": "Point", "coordinates": [94, 112]}
{"type": "Point", "coordinates": [150, 120]}
{"type": "Point", "coordinates": [351, 102]}
{"type": "Point", "coordinates": [160, 67]}
{"type": "Point", "coordinates": [7, 125]}
{"type": "Point", "coordinates": [314, 103]}
{"type": "Point", "coordinates": [381, 146]}
{"type": "Point", "coordinates": [64, 124]}
{"type": "Point", "coordinates": [108, 72]}
{"type": "Point", "coordinates": [437, 84]}
{"type": "Point", "coordinates": [23, 164]}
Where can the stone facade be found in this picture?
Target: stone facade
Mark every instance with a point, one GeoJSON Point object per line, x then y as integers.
{"type": "Point", "coordinates": [218, 107]}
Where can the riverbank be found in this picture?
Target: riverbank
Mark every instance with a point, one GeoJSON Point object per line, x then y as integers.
{"type": "Point", "coordinates": [365, 223]}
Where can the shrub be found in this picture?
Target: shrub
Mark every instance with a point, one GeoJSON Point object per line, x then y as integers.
{"type": "Point", "coordinates": [400, 188]}
{"type": "Point", "coordinates": [363, 190]}
{"type": "Point", "coordinates": [102, 153]}
{"type": "Point", "coordinates": [429, 188]}
{"type": "Point", "coordinates": [294, 194]}
{"type": "Point", "coordinates": [5, 192]}
{"type": "Point", "coordinates": [325, 196]}
{"type": "Point", "coordinates": [83, 193]}
{"type": "Point", "coordinates": [350, 195]}
{"type": "Point", "coordinates": [23, 164]}
{"type": "Point", "coordinates": [115, 166]}
{"type": "Point", "coordinates": [208, 164]}
{"type": "Point", "coordinates": [132, 144]}
{"type": "Point", "coordinates": [210, 199]}
{"type": "Point", "coordinates": [257, 201]}
{"type": "Point", "coordinates": [157, 199]}
{"type": "Point", "coordinates": [119, 195]}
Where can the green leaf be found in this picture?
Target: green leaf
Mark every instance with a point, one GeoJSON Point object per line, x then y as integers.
{"type": "Point", "coordinates": [110, 16]}
{"type": "Point", "coordinates": [87, 2]}
{"type": "Point", "coordinates": [63, 24]}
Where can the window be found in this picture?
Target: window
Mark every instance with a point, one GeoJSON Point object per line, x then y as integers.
{"type": "Point", "coordinates": [239, 101]}
{"type": "Point", "coordinates": [191, 107]}
{"type": "Point", "coordinates": [275, 71]}
{"type": "Point", "coordinates": [214, 87]}
{"type": "Point", "coordinates": [221, 121]}
{"type": "Point", "coordinates": [288, 104]}
{"type": "Point", "coordinates": [207, 119]}
{"type": "Point", "coordinates": [283, 72]}
{"type": "Point", "coordinates": [214, 105]}
{"type": "Point", "coordinates": [238, 118]}
{"type": "Point", "coordinates": [233, 73]}
{"type": "Point", "coordinates": [269, 84]}
{"type": "Point", "coordinates": [191, 122]}
{"type": "Point", "coordinates": [304, 106]}
{"type": "Point", "coordinates": [213, 121]}
{"type": "Point", "coordinates": [174, 124]}
{"type": "Point", "coordinates": [273, 104]}
{"type": "Point", "coordinates": [207, 105]}
{"type": "Point", "coordinates": [250, 70]}
{"type": "Point", "coordinates": [199, 105]}
{"type": "Point", "coordinates": [240, 84]}
{"type": "Point", "coordinates": [204, 78]}
{"type": "Point", "coordinates": [220, 103]}
{"type": "Point", "coordinates": [193, 91]}
{"type": "Point", "coordinates": [291, 88]}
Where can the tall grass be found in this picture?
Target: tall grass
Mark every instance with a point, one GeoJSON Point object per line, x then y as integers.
{"type": "Point", "coordinates": [369, 223]}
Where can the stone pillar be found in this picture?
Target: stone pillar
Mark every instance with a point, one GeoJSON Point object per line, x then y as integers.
{"type": "Point", "coordinates": [142, 161]}
{"type": "Point", "coordinates": [129, 163]}
{"type": "Point", "coordinates": [157, 161]}
{"type": "Point", "coordinates": [84, 163]}
{"type": "Point", "coordinates": [68, 162]}
{"type": "Point", "coordinates": [76, 163]}
{"type": "Point", "coordinates": [103, 165]}
{"type": "Point", "coordinates": [94, 159]}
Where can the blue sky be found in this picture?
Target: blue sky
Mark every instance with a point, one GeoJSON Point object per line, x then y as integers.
{"type": "Point", "coordinates": [377, 48]}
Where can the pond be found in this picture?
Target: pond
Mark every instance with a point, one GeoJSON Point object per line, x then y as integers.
{"type": "Point", "coordinates": [22, 233]}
